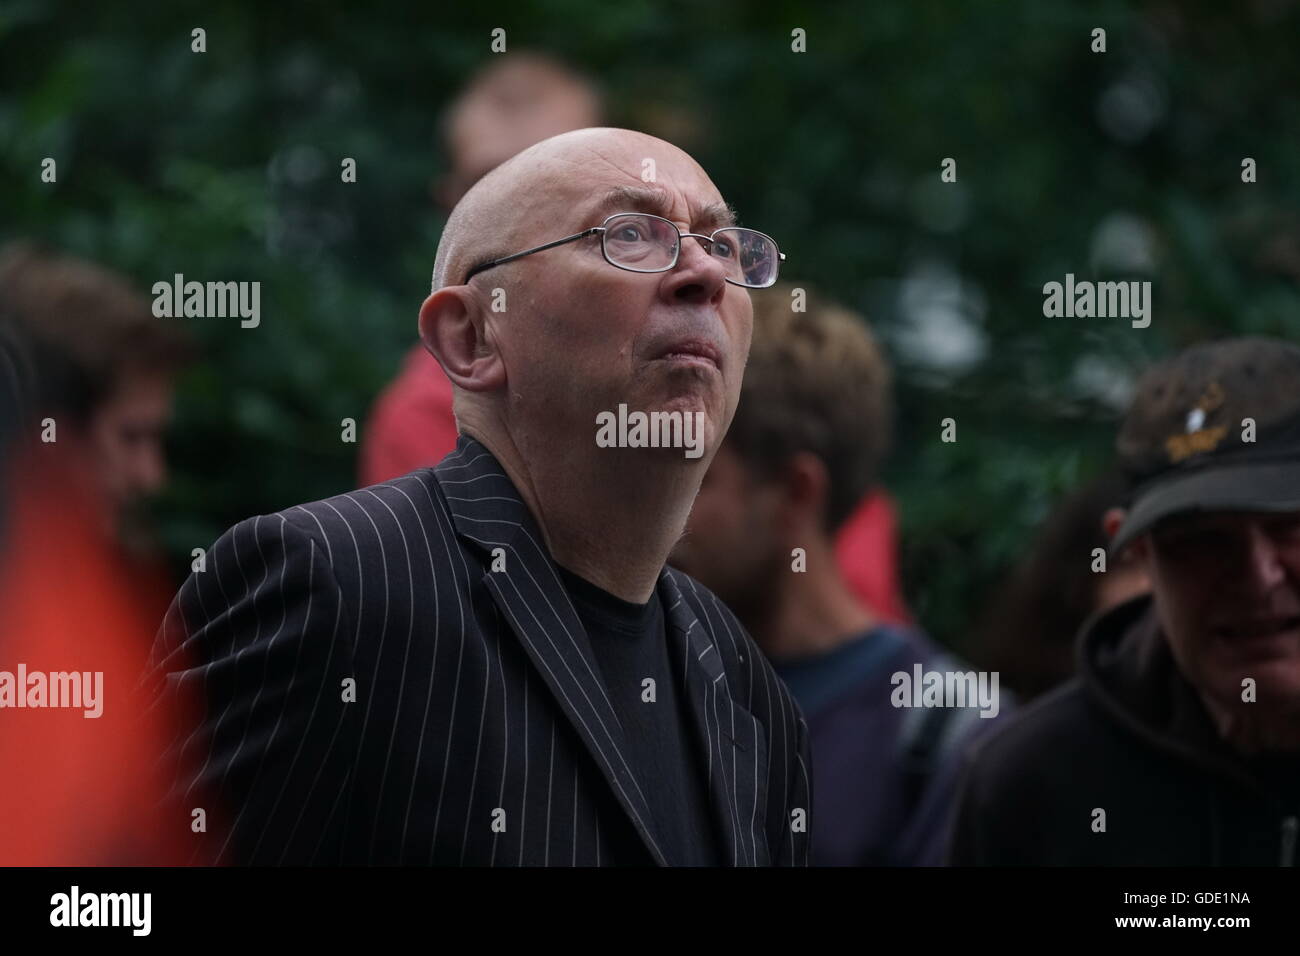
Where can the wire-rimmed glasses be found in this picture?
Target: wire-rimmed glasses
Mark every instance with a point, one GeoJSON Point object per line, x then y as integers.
{"type": "Point", "coordinates": [641, 242]}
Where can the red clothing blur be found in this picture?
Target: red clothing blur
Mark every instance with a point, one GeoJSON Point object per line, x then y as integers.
{"type": "Point", "coordinates": [412, 426]}
{"type": "Point", "coordinates": [76, 790]}
{"type": "Point", "coordinates": [866, 549]}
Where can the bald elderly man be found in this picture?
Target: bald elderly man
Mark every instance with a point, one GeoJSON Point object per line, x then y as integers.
{"type": "Point", "coordinates": [487, 662]}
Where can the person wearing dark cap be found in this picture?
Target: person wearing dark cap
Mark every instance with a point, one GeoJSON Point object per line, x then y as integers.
{"type": "Point", "coordinates": [1179, 741]}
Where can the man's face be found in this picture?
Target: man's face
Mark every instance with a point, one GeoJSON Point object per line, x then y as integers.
{"type": "Point", "coordinates": [732, 543]}
{"type": "Point", "coordinates": [126, 435]}
{"type": "Point", "coordinates": [1227, 588]}
{"type": "Point", "coordinates": [579, 336]}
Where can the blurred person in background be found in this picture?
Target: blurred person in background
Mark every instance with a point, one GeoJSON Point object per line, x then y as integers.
{"type": "Point", "coordinates": [806, 445]}
{"type": "Point", "coordinates": [518, 100]}
{"type": "Point", "coordinates": [85, 372]}
{"type": "Point", "coordinates": [1178, 744]}
{"type": "Point", "coordinates": [109, 373]}
{"type": "Point", "coordinates": [1030, 628]}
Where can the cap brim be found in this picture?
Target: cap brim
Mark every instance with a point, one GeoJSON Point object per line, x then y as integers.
{"type": "Point", "coordinates": [1261, 486]}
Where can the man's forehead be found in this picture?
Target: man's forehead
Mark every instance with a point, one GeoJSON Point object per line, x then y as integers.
{"type": "Point", "coordinates": [1217, 520]}
{"type": "Point", "coordinates": [700, 209]}
{"type": "Point", "coordinates": [612, 170]}
{"type": "Point", "coordinates": [576, 180]}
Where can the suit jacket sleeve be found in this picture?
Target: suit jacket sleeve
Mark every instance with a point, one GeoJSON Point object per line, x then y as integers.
{"type": "Point", "coordinates": [260, 644]}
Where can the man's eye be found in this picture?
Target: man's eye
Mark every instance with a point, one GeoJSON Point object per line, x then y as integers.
{"type": "Point", "coordinates": [628, 234]}
{"type": "Point", "coordinates": [1287, 528]}
{"type": "Point", "coordinates": [1188, 541]}
{"type": "Point", "coordinates": [724, 249]}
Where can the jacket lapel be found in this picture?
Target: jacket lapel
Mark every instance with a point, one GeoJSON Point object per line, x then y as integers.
{"type": "Point", "coordinates": [733, 740]}
{"type": "Point", "coordinates": [488, 511]}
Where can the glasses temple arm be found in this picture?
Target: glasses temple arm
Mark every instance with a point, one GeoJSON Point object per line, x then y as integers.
{"type": "Point", "coordinates": [528, 252]}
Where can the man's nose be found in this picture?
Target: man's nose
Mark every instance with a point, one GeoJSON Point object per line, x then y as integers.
{"type": "Point", "coordinates": [1263, 558]}
{"type": "Point", "coordinates": [699, 276]}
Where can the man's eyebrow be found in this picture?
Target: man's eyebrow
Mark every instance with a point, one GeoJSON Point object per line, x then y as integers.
{"type": "Point", "coordinates": [657, 202]}
{"type": "Point", "coordinates": [716, 216]}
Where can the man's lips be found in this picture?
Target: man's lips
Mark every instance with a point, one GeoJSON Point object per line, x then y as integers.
{"type": "Point", "coordinates": [694, 351]}
{"type": "Point", "coordinates": [1259, 629]}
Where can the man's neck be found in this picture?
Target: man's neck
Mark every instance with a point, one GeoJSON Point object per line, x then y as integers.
{"type": "Point", "coordinates": [609, 515]}
{"type": "Point", "coordinates": [813, 612]}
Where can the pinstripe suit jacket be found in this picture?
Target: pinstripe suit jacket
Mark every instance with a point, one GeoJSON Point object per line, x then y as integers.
{"type": "Point", "coordinates": [480, 733]}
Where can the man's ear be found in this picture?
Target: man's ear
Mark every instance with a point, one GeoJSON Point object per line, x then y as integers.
{"type": "Point", "coordinates": [805, 492]}
{"type": "Point", "coordinates": [1111, 520]}
{"type": "Point", "coordinates": [454, 329]}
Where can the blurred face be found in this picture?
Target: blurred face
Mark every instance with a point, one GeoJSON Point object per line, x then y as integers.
{"type": "Point", "coordinates": [580, 336]}
{"type": "Point", "coordinates": [126, 436]}
{"type": "Point", "coordinates": [732, 544]}
{"type": "Point", "coordinates": [1227, 588]}
{"type": "Point", "coordinates": [523, 106]}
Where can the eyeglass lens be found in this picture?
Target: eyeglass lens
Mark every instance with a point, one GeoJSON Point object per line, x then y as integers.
{"type": "Point", "coordinates": [646, 243]}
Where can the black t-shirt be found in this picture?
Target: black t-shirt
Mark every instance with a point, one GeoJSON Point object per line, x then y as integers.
{"type": "Point", "coordinates": [630, 643]}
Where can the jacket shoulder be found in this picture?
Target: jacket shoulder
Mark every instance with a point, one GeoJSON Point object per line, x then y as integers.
{"type": "Point", "coordinates": [1015, 776]}
{"type": "Point", "coordinates": [1041, 733]}
{"type": "Point", "coordinates": [1044, 753]}
{"type": "Point", "coordinates": [348, 519]}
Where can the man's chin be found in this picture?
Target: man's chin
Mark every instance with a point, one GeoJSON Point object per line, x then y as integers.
{"type": "Point", "coordinates": [682, 426]}
{"type": "Point", "coordinates": [1266, 683]}
{"type": "Point", "coordinates": [1281, 649]}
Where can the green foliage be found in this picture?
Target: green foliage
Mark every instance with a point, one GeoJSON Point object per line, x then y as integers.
{"type": "Point", "coordinates": [225, 165]}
